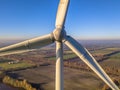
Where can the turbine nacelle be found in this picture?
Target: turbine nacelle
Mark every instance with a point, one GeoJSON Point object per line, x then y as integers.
{"type": "Point", "coordinates": [59, 34]}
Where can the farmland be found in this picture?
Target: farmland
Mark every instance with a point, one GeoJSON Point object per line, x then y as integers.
{"type": "Point", "coordinates": [38, 67]}
{"type": "Point", "coordinates": [5, 64]}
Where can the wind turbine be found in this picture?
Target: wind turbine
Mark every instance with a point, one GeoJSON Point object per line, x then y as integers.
{"type": "Point", "coordinates": [59, 37]}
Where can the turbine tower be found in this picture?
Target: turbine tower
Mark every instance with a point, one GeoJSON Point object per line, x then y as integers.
{"type": "Point", "coordinates": [59, 37]}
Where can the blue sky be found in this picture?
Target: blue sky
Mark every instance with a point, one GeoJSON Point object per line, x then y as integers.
{"type": "Point", "coordinates": [86, 19]}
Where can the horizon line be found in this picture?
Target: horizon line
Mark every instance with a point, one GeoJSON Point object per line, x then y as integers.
{"type": "Point", "coordinates": [19, 39]}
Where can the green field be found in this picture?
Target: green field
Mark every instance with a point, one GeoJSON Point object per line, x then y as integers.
{"type": "Point", "coordinates": [4, 64]}
{"type": "Point", "coordinates": [115, 57]}
{"type": "Point", "coordinates": [104, 51]}
{"type": "Point", "coordinates": [65, 57]}
{"type": "Point", "coordinates": [113, 61]}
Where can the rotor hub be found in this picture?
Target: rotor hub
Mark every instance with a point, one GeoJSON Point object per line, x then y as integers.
{"type": "Point", "coordinates": [59, 34]}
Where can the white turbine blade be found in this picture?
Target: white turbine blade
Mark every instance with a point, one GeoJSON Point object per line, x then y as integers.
{"type": "Point", "coordinates": [61, 13]}
{"type": "Point", "coordinates": [59, 66]}
{"type": "Point", "coordinates": [27, 45]}
{"type": "Point", "coordinates": [85, 56]}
